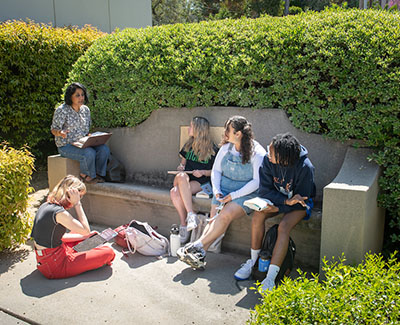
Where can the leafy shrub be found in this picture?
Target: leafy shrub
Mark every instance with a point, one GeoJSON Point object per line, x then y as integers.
{"type": "Point", "coordinates": [367, 293]}
{"type": "Point", "coordinates": [34, 63]}
{"type": "Point", "coordinates": [336, 73]}
{"type": "Point", "coordinates": [293, 10]}
{"type": "Point", "coordinates": [16, 168]}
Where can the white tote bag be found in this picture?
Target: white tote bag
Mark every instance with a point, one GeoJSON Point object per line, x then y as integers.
{"type": "Point", "coordinates": [141, 237]}
{"type": "Point", "coordinates": [215, 247]}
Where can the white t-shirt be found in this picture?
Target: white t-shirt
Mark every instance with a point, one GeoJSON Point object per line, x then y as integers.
{"type": "Point", "coordinates": [256, 160]}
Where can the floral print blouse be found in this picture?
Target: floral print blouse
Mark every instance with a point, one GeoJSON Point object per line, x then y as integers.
{"type": "Point", "coordinates": [77, 123]}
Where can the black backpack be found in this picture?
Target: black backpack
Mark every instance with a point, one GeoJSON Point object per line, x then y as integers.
{"type": "Point", "coordinates": [115, 170]}
{"type": "Point", "coordinates": [268, 246]}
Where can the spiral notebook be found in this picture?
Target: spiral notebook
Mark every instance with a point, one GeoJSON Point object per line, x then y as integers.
{"type": "Point", "coordinates": [95, 240]}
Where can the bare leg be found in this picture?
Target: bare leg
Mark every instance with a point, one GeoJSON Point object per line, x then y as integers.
{"type": "Point", "coordinates": [178, 203]}
{"type": "Point", "coordinates": [181, 195]}
{"type": "Point", "coordinates": [258, 228]}
{"type": "Point", "coordinates": [230, 212]}
{"type": "Point", "coordinates": [289, 221]}
{"type": "Point", "coordinates": [186, 190]}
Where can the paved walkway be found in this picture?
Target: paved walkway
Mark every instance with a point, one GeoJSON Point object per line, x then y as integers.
{"type": "Point", "coordinates": [135, 290]}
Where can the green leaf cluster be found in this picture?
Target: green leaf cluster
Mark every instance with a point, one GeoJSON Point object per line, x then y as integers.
{"type": "Point", "coordinates": [34, 63]}
{"type": "Point", "coordinates": [336, 73]}
{"type": "Point", "coordinates": [365, 294]}
{"type": "Point", "coordinates": [16, 168]}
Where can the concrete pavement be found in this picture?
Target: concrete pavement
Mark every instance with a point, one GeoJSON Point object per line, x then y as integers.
{"type": "Point", "coordinates": [136, 289]}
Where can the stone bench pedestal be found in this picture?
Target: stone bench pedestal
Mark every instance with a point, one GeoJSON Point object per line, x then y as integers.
{"type": "Point", "coordinates": [352, 222]}
{"type": "Point", "coordinates": [59, 167]}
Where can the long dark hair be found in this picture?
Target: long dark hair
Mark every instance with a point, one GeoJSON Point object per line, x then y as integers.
{"type": "Point", "coordinates": [286, 149]}
{"type": "Point", "coordinates": [239, 123]}
{"type": "Point", "coordinates": [71, 90]}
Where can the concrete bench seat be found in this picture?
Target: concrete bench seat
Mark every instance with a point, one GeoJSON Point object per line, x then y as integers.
{"type": "Point", "coordinates": [123, 202]}
{"type": "Point", "coordinates": [343, 174]}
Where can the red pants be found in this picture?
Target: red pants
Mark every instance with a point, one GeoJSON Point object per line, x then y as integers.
{"type": "Point", "coordinates": [63, 261]}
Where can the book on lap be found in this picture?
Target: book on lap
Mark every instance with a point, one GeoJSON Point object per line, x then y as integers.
{"type": "Point", "coordinates": [257, 203]}
{"type": "Point", "coordinates": [95, 139]}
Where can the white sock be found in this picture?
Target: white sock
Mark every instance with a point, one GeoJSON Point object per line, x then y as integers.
{"type": "Point", "coordinates": [273, 271]}
{"type": "Point", "coordinates": [198, 244]}
{"type": "Point", "coordinates": [254, 255]}
{"type": "Point", "coordinates": [190, 213]}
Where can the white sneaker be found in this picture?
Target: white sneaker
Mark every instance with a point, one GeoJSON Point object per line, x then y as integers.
{"type": "Point", "coordinates": [192, 256]}
{"type": "Point", "coordinates": [267, 285]}
{"type": "Point", "coordinates": [192, 221]}
{"type": "Point", "coordinates": [183, 234]}
{"type": "Point", "coordinates": [245, 270]}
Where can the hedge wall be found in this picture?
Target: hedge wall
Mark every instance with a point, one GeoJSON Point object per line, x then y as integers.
{"type": "Point", "coordinates": [34, 64]}
{"type": "Point", "coordinates": [16, 168]}
{"type": "Point", "coordinates": [336, 72]}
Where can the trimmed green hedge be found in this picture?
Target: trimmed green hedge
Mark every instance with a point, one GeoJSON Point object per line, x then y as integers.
{"type": "Point", "coordinates": [34, 64]}
{"type": "Point", "coordinates": [16, 168]}
{"type": "Point", "coordinates": [336, 72]}
{"type": "Point", "coordinates": [368, 293]}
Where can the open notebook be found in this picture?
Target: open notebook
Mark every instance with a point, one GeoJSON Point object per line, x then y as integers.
{"type": "Point", "coordinates": [95, 139]}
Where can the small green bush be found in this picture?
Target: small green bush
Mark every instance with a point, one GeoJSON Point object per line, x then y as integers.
{"type": "Point", "coordinates": [16, 168]}
{"type": "Point", "coordinates": [365, 294]}
{"type": "Point", "coordinates": [336, 72]}
{"type": "Point", "coordinates": [293, 10]}
{"type": "Point", "coordinates": [34, 63]}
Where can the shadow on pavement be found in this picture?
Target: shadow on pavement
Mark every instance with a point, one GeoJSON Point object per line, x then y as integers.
{"type": "Point", "coordinates": [221, 281]}
{"type": "Point", "coordinates": [251, 298]}
{"type": "Point", "coordinates": [10, 258]}
{"type": "Point", "coordinates": [36, 285]}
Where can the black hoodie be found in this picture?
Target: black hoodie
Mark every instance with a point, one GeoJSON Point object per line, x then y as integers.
{"type": "Point", "coordinates": [279, 183]}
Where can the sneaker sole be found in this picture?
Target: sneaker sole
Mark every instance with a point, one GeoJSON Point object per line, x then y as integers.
{"type": "Point", "coordinates": [191, 261]}
{"type": "Point", "coordinates": [241, 279]}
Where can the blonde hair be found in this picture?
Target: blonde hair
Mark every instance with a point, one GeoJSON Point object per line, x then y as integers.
{"type": "Point", "coordinates": [200, 142]}
{"type": "Point", "coordinates": [59, 194]}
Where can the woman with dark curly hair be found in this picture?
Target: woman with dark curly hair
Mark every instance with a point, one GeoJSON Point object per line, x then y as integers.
{"type": "Point", "coordinates": [235, 179]}
{"type": "Point", "coordinates": [71, 121]}
{"type": "Point", "coordinates": [287, 180]}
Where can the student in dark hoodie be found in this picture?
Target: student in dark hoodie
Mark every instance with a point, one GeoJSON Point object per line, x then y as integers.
{"type": "Point", "coordinates": [287, 180]}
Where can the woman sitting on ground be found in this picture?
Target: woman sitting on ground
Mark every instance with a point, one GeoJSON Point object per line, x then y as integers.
{"type": "Point", "coordinates": [198, 155]}
{"type": "Point", "coordinates": [55, 255]}
{"type": "Point", "coordinates": [287, 180]}
{"type": "Point", "coordinates": [71, 121]}
{"type": "Point", "coordinates": [235, 179]}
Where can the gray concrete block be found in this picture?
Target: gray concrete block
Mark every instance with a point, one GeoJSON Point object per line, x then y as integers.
{"type": "Point", "coordinates": [352, 222]}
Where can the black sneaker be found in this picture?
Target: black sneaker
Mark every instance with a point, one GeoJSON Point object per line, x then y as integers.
{"type": "Point", "coordinates": [192, 256]}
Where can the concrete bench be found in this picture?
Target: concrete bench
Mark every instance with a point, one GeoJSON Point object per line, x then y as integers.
{"type": "Point", "coordinates": [343, 174]}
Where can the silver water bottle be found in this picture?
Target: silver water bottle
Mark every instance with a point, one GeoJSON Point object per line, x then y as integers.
{"type": "Point", "coordinates": [174, 239]}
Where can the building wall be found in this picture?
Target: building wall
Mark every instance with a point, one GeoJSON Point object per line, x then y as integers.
{"type": "Point", "coordinates": [103, 14]}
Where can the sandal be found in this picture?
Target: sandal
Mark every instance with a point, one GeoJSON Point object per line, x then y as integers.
{"type": "Point", "coordinates": [100, 179]}
{"type": "Point", "coordinates": [87, 180]}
